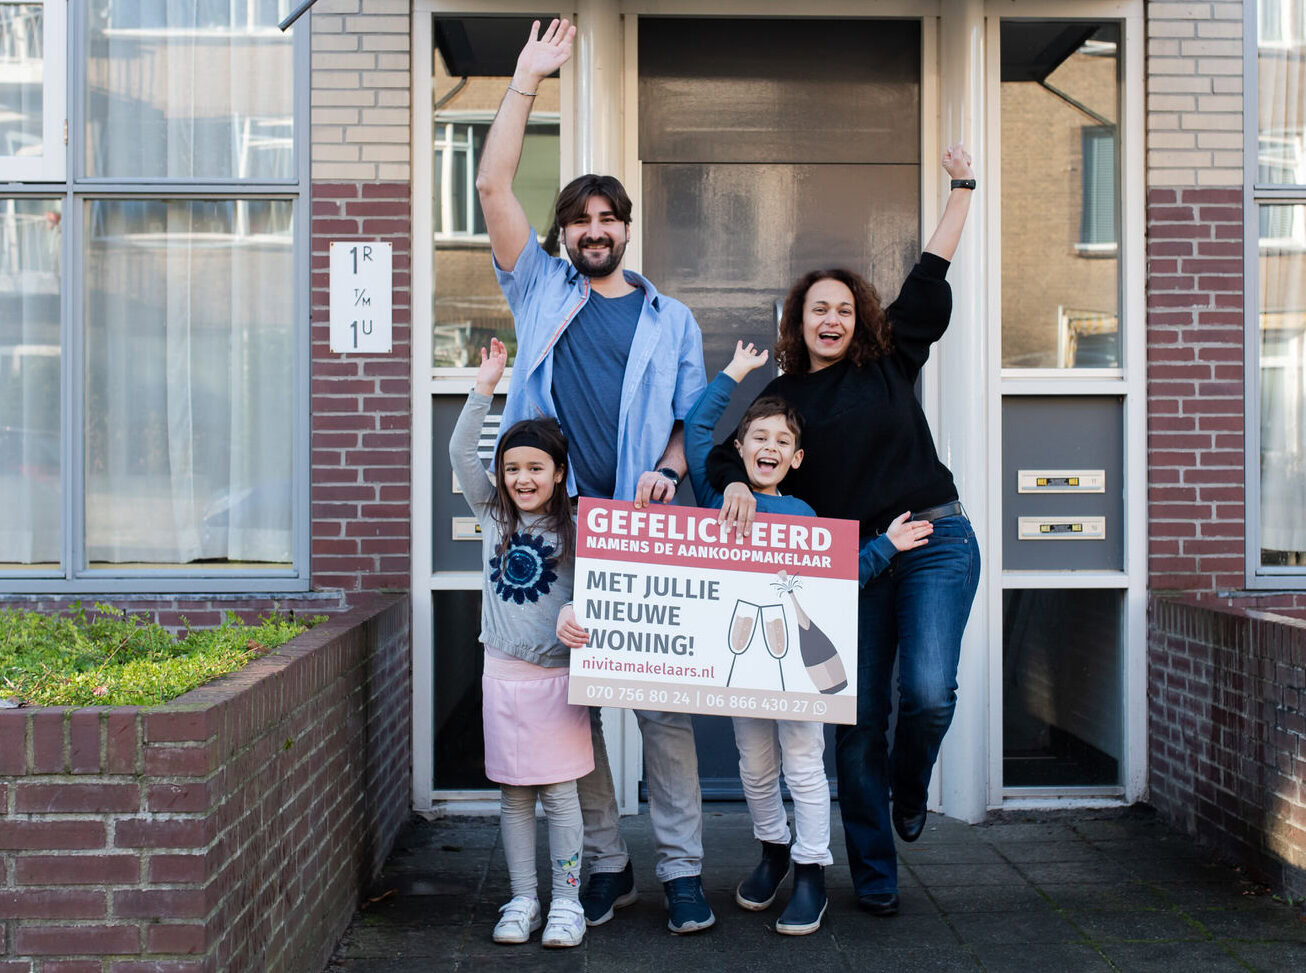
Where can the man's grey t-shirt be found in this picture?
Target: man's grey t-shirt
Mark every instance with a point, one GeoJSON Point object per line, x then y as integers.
{"type": "Point", "coordinates": [589, 366]}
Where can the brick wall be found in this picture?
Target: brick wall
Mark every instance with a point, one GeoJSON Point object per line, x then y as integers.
{"type": "Point", "coordinates": [1228, 732]}
{"type": "Point", "coordinates": [361, 405]}
{"type": "Point", "coordinates": [231, 829]}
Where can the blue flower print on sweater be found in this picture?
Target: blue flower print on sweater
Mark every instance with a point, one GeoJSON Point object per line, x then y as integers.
{"type": "Point", "coordinates": [525, 570]}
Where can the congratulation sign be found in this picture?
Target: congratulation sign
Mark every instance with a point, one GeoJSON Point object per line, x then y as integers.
{"type": "Point", "coordinates": [684, 617]}
{"type": "Point", "coordinates": [361, 306]}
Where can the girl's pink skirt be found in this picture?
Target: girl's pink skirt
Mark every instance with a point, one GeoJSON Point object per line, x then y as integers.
{"type": "Point", "coordinates": [532, 734]}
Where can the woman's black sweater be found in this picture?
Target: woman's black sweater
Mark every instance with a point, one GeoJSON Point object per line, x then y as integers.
{"type": "Point", "coordinates": [867, 450]}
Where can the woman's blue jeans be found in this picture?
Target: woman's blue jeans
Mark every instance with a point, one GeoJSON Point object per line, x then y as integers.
{"type": "Point", "coordinates": [916, 611]}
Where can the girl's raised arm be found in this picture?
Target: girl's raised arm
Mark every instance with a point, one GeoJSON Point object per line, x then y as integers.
{"type": "Point", "coordinates": [476, 485]}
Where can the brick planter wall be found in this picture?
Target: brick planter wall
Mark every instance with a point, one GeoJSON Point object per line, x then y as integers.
{"type": "Point", "coordinates": [1228, 732]}
{"type": "Point", "coordinates": [231, 829]}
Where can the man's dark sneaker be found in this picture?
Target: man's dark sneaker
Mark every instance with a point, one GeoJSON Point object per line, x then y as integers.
{"type": "Point", "coordinates": [908, 822]}
{"type": "Point", "coordinates": [607, 891]}
{"type": "Point", "coordinates": [687, 905]}
{"type": "Point", "coordinates": [803, 913]}
{"type": "Point", "coordinates": [879, 903]}
{"type": "Point", "coordinates": [757, 892]}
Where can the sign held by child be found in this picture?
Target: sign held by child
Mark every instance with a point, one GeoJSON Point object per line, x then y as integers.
{"type": "Point", "coordinates": [682, 615]}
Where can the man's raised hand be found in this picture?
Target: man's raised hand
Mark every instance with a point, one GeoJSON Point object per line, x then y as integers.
{"type": "Point", "coordinates": [544, 54]}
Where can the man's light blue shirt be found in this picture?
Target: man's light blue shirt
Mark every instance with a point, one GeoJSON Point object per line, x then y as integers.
{"type": "Point", "coordinates": [664, 373]}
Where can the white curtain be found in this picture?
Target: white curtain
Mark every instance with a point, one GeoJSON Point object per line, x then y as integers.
{"type": "Point", "coordinates": [1283, 391]}
{"type": "Point", "coordinates": [189, 381]}
{"type": "Point", "coordinates": [30, 241]}
{"type": "Point", "coordinates": [185, 90]}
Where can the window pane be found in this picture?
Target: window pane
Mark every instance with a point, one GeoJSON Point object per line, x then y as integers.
{"type": "Point", "coordinates": [188, 91]}
{"type": "Point", "coordinates": [1062, 716]}
{"type": "Point", "coordinates": [30, 487]}
{"type": "Point", "coordinates": [21, 79]}
{"type": "Point", "coordinates": [1060, 199]}
{"type": "Point", "coordinates": [1281, 72]}
{"type": "Point", "coordinates": [468, 306]}
{"type": "Point", "coordinates": [1283, 385]}
{"type": "Point", "coordinates": [459, 661]}
{"type": "Point", "coordinates": [189, 381]}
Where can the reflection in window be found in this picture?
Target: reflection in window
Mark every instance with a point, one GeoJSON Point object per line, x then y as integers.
{"type": "Point", "coordinates": [188, 381]}
{"type": "Point", "coordinates": [21, 79]}
{"type": "Point", "coordinates": [469, 308]}
{"type": "Point", "coordinates": [1283, 387]}
{"type": "Point", "coordinates": [188, 91]}
{"type": "Point", "coordinates": [1060, 194]}
{"type": "Point", "coordinates": [1280, 66]}
{"type": "Point", "coordinates": [30, 352]}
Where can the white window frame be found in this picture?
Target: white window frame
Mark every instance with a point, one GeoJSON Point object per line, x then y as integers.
{"type": "Point", "coordinates": [51, 164]}
{"type": "Point", "coordinates": [1255, 195]}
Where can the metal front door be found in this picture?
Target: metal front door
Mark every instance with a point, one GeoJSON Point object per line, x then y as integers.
{"type": "Point", "coordinates": [770, 148]}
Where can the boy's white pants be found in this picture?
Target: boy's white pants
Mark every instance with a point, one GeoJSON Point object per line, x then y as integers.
{"type": "Point", "coordinates": [767, 746]}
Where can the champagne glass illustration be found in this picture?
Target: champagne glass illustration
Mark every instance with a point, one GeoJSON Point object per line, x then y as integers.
{"type": "Point", "coordinates": [775, 634]}
{"type": "Point", "coordinates": [819, 655]}
{"type": "Point", "coordinates": [743, 623]}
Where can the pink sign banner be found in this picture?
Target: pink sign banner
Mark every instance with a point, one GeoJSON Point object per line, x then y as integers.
{"type": "Point", "coordinates": [684, 616]}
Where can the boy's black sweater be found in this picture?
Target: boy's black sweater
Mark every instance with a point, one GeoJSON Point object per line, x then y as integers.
{"type": "Point", "coordinates": [867, 450]}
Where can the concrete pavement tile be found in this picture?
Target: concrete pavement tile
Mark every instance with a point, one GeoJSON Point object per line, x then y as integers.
{"type": "Point", "coordinates": [400, 941]}
{"type": "Point", "coordinates": [1136, 926]}
{"type": "Point", "coordinates": [1074, 850]}
{"type": "Point", "coordinates": [1032, 926]}
{"type": "Point", "coordinates": [1129, 826]}
{"type": "Point", "coordinates": [1041, 957]}
{"type": "Point", "coordinates": [940, 827]}
{"type": "Point", "coordinates": [370, 965]}
{"type": "Point", "coordinates": [1242, 895]}
{"type": "Point", "coordinates": [424, 882]}
{"type": "Point", "coordinates": [419, 911]}
{"type": "Point", "coordinates": [950, 853]}
{"type": "Point", "coordinates": [1025, 831]}
{"type": "Point", "coordinates": [1172, 958]}
{"type": "Point", "coordinates": [911, 902]}
{"type": "Point", "coordinates": [934, 876]}
{"type": "Point", "coordinates": [1162, 846]}
{"type": "Point", "coordinates": [1077, 896]}
{"type": "Point", "coordinates": [967, 899]}
{"type": "Point", "coordinates": [1097, 872]}
{"type": "Point", "coordinates": [1282, 925]}
{"type": "Point", "coordinates": [519, 958]}
{"type": "Point", "coordinates": [918, 959]}
{"type": "Point", "coordinates": [1272, 957]}
{"type": "Point", "coordinates": [899, 930]}
{"type": "Point", "coordinates": [1183, 870]}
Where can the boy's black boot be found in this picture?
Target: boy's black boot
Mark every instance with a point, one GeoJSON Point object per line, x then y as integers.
{"type": "Point", "coordinates": [757, 892]}
{"type": "Point", "coordinates": [804, 912]}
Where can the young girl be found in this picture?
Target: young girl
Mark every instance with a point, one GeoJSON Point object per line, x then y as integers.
{"type": "Point", "coordinates": [536, 744]}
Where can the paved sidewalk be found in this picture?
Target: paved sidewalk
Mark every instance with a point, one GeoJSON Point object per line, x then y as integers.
{"type": "Point", "coordinates": [1043, 893]}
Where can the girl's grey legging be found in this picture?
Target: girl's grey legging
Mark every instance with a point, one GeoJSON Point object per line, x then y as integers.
{"type": "Point", "coordinates": [566, 834]}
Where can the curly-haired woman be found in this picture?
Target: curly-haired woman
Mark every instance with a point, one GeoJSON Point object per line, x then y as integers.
{"type": "Point", "coordinates": [849, 366]}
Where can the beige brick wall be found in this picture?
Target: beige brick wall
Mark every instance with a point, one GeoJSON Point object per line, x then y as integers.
{"type": "Point", "coordinates": [360, 85]}
{"type": "Point", "coordinates": [1194, 94]}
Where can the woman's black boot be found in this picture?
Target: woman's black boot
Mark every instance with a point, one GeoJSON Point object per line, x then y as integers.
{"type": "Point", "coordinates": [803, 913]}
{"type": "Point", "coordinates": [757, 892]}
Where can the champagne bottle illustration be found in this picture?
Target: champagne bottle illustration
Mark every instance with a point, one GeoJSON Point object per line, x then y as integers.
{"type": "Point", "coordinates": [818, 653]}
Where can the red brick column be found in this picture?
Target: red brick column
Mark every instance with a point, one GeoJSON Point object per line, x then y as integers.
{"type": "Point", "coordinates": [361, 404]}
{"type": "Point", "coordinates": [1195, 399]}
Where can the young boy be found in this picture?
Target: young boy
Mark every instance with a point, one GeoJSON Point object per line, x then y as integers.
{"type": "Point", "coordinates": [769, 439]}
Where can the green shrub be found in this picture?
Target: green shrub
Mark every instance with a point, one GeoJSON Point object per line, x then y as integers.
{"type": "Point", "coordinates": [115, 659]}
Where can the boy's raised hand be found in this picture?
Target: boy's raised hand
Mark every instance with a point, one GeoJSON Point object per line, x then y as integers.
{"type": "Point", "coordinates": [746, 359]}
{"type": "Point", "coordinates": [492, 365]}
{"type": "Point", "coordinates": [907, 534]}
{"type": "Point", "coordinates": [544, 54]}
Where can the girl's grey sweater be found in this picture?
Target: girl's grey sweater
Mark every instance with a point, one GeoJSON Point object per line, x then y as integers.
{"type": "Point", "coordinates": [522, 591]}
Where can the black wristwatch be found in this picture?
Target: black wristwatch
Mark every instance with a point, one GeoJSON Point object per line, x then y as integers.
{"type": "Point", "coordinates": [963, 184]}
{"type": "Point", "coordinates": [669, 473]}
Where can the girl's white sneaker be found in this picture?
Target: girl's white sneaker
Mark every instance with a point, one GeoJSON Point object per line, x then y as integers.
{"type": "Point", "coordinates": [519, 917]}
{"type": "Point", "coordinates": [566, 926]}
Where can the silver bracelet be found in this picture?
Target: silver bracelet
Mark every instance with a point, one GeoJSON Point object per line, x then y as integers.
{"type": "Point", "coordinates": [528, 94]}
